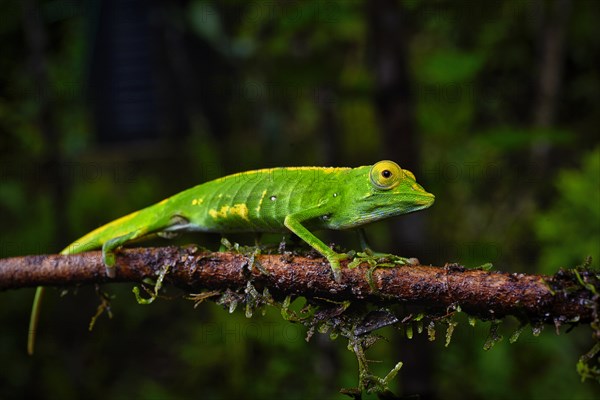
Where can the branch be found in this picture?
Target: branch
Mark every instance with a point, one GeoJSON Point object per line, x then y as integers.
{"type": "Point", "coordinates": [492, 295]}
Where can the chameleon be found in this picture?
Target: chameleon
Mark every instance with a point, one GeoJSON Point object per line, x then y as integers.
{"type": "Point", "coordinates": [286, 199]}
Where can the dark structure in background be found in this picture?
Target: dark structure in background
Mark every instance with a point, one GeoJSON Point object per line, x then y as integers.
{"type": "Point", "coordinates": [123, 72]}
{"type": "Point", "coordinates": [150, 77]}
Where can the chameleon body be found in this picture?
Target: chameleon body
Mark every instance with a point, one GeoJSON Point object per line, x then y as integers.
{"type": "Point", "coordinates": [296, 199]}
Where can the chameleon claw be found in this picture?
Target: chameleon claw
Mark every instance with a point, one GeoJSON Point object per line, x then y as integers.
{"type": "Point", "coordinates": [337, 274]}
{"type": "Point", "coordinates": [111, 271]}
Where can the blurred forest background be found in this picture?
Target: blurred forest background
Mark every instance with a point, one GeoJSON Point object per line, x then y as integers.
{"type": "Point", "coordinates": [109, 106]}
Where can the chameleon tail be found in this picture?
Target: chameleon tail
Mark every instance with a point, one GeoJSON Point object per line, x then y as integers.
{"type": "Point", "coordinates": [109, 237]}
{"type": "Point", "coordinates": [34, 318]}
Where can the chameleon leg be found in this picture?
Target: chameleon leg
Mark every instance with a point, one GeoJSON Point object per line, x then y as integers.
{"type": "Point", "coordinates": [362, 238]}
{"type": "Point", "coordinates": [160, 226]}
{"type": "Point", "coordinates": [109, 247]}
{"type": "Point", "coordinates": [293, 223]}
{"type": "Point", "coordinates": [257, 239]}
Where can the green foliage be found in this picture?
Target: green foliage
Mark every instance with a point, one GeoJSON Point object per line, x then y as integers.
{"type": "Point", "coordinates": [569, 229]}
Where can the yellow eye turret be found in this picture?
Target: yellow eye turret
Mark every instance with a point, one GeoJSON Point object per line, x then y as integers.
{"type": "Point", "coordinates": [386, 175]}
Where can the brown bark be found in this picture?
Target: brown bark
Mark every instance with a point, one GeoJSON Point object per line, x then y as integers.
{"type": "Point", "coordinates": [481, 293]}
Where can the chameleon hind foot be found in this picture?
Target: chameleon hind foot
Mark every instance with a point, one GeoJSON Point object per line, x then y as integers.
{"type": "Point", "coordinates": [109, 259]}
{"type": "Point", "coordinates": [110, 246]}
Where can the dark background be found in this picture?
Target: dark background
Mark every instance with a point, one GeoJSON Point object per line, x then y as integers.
{"type": "Point", "coordinates": [107, 107]}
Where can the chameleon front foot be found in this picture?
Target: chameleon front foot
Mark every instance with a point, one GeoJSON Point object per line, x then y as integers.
{"type": "Point", "coordinates": [336, 269]}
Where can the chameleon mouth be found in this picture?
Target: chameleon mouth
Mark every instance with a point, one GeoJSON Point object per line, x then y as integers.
{"type": "Point", "coordinates": [425, 200]}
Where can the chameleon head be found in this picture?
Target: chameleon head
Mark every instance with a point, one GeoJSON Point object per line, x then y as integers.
{"type": "Point", "coordinates": [379, 191]}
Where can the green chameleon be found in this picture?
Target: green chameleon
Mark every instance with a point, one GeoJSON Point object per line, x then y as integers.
{"type": "Point", "coordinates": [296, 199]}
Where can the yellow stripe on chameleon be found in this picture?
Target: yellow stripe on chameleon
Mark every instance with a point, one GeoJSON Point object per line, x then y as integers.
{"type": "Point", "coordinates": [416, 187]}
{"type": "Point", "coordinates": [327, 170]}
{"type": "Point", "coordinates": [218, 214]}
{"type": "Point", "coordinates": [117, 222]}
{"type": "Point", "coordinates": [238, 210]}
{"type": "Point", "coordinates": [103, 228]}
{"type": "Point", "coordinates": [262, 197]}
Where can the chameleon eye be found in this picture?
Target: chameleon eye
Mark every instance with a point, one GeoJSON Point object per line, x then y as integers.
{"type": "Point", "coordinates": [386, 175]}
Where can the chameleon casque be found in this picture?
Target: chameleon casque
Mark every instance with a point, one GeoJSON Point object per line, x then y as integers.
{"type": "Point", "coordinates": [296, 199]}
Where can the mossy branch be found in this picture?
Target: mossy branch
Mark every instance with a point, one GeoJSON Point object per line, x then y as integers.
{"type": "Point", "coordinates": [433, 293]}
{"type": "Point", "coordinates": [556, 299]}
